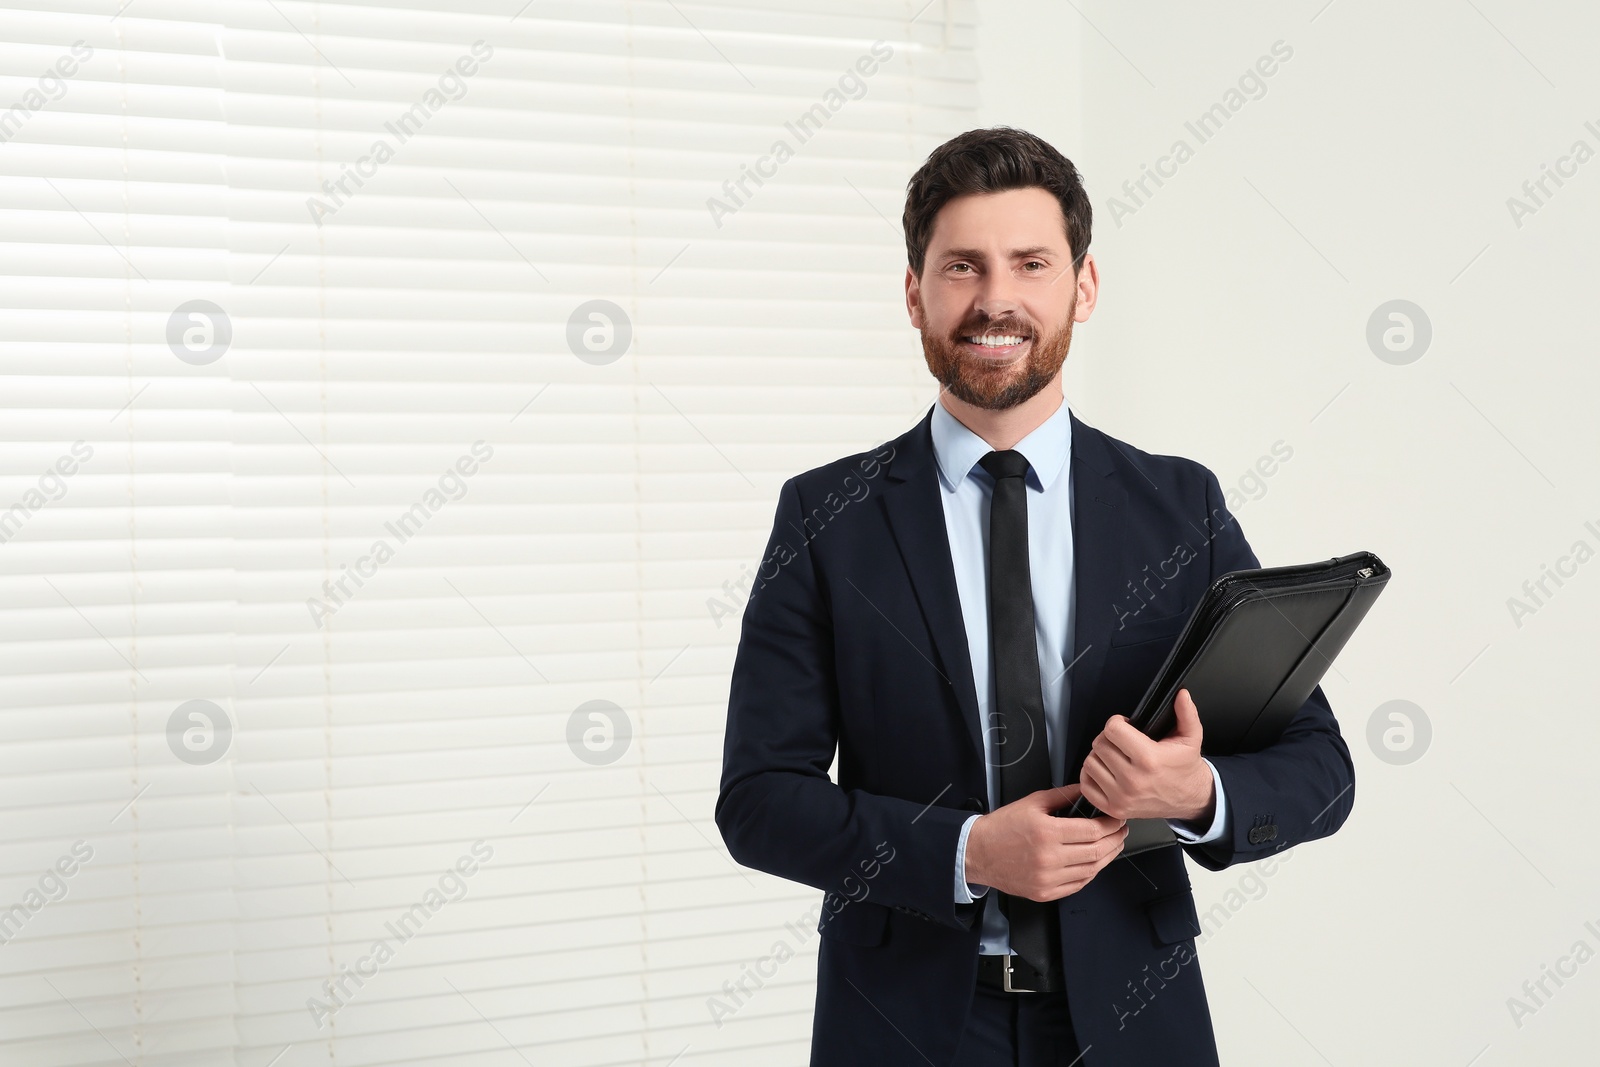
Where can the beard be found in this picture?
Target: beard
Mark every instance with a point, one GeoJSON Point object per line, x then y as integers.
{"type": "Point", "coordinates": [985, 385]}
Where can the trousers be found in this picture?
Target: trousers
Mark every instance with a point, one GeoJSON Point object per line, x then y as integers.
{"type": "Point", "coordinates": [1018, 1030]}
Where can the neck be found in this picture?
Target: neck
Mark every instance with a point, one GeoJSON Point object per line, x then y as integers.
{"type": "Point", "coordinates": [1001, 430]}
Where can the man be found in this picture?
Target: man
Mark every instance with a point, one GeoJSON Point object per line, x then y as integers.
{"type": "Point", "coordinates": [999, 572]}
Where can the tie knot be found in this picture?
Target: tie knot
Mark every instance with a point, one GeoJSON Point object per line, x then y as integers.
{"type": "Point", "coordinates": [1007, 464]}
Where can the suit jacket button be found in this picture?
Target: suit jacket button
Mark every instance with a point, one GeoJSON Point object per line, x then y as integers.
{"type": "Point", "coordinates": [974, 804]}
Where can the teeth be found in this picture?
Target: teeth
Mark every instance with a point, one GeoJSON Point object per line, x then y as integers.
{"type": "Point", "coordinates": [996, 342]}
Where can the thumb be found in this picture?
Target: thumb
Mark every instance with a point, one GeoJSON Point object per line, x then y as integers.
{"type": "Point", "coordinates": [1188, 728]}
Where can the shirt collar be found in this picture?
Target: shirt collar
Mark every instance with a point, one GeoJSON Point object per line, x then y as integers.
{"type": "Point", "coordinates": [958, 449]}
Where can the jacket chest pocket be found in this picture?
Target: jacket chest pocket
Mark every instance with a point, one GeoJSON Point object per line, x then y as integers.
{"type": "Point", "coordinates": [1143, 631]}
{"type": "Point", "coordinates": [1133, 657]}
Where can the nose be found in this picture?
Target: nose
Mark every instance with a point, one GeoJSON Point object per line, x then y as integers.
{"type": "Point", "coordinates": [998, 296]}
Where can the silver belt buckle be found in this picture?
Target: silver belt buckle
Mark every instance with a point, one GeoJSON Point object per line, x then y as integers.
{"type": "Point", "coordinates": [1005, 976]}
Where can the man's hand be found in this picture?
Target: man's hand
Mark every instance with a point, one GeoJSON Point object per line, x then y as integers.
{"type": "Point", "coordinates": [1023, 850]}
{"type": "Point", "coordinates": [1130, 776]}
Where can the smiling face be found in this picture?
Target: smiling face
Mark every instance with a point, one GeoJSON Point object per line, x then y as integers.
{"type": "Point", "coordinates": [997, 296]}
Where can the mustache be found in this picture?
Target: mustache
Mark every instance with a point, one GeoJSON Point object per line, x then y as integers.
{"type": "Point", "coordinates": [1007, 326]}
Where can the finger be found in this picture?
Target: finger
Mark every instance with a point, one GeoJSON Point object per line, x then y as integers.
{"type": "Point", "coordinates": [1110, 729]}
{"type": "Point", "coordinates": [1110, 824]}
{"type": "Point", "coordinates": [1086, 869]}
{"type": "Point", "coordinates": [1125, 737]}
{"type": "Point", "coordinates": [1089, 853]}
{"type": "Point", "coordinates": [1188, 717]}
{"type": "Point", "coordinates": [1102, 773]}
{"type": "Point", "coordinates": [1084, 831]}
{"type": "Point", "coordinates": [1092, 792]}
{"type": "Point", "coordinates": [1086, 862]}
{"type": "Point", "coordinates": [1098, 783]}
{"type": "Point", "coordinates": [1111, 755]}
{"type": "Point", "coordinates": [1112, 837]}
{"type": "Point", "coordinates": [1075, 876]}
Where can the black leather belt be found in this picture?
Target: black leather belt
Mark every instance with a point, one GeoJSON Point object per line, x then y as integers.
{"type": "Point", "coordinates": [1015, 975]}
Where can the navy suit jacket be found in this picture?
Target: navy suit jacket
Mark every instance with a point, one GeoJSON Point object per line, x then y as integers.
{"type": "Point", "coordinates": [853, 639]}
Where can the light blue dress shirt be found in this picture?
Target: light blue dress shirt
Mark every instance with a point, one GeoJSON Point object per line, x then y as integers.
{"type": "Point", "coordinates": [966, 489]}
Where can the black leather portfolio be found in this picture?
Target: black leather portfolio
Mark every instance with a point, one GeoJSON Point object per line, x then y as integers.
{"type": "Point", "coordinates": [1252, 651]}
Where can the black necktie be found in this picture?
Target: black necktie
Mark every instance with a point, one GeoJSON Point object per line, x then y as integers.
{"type": "Point", "coordinates": [1017, 718]}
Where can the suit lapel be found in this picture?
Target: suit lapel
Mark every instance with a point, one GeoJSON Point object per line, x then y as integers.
{"type": "Point", "coordinates": [1099, 512]}
{"type": "Point", "coordinates": [916, 516]}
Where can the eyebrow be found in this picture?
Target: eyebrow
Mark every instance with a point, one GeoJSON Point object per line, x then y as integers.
{"type": "Point", "coordinates": [1017, 253]}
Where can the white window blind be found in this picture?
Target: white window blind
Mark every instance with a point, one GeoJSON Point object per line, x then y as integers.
{"type": "Point", "coordinates": [395, 398]}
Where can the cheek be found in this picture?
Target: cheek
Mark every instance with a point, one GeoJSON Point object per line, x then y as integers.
{"type": "Point", "coordinates": [942, 311]}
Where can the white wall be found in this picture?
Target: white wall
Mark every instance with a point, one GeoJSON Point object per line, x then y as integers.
{"type": "Point", "coordinates": [369, 350]}
{"type": "Point", "coordinates": [1233, 314]}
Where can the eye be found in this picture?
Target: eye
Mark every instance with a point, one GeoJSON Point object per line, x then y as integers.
{"type": "Point", "coordinates": [954, 267]}
{"type": "Point", "coordinates": [1034, 263]}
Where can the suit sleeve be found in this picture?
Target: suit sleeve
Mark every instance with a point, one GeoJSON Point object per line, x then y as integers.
{"type": "Point", "coordinates": [1299, 788]}
{"type": "Point", "coordinates": [777, 809]}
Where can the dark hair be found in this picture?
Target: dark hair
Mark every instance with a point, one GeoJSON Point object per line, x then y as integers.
{"type": "Point", "coordinates": [991, 161]}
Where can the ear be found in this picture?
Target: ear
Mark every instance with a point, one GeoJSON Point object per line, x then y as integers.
{"type": "Point", "coordinates": [1088, 282]}
{"type": "Point", "coordinates": [913, 298]}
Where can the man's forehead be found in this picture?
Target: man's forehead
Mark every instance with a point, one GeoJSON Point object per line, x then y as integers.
{"type": "Point", "coordinates": [1014, 222]}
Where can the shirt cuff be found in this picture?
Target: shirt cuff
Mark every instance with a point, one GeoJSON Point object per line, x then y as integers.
{"type": "Point", "coordinates": [1185, 832]}
{"type": "Point", "coordinates": [966, 892]}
